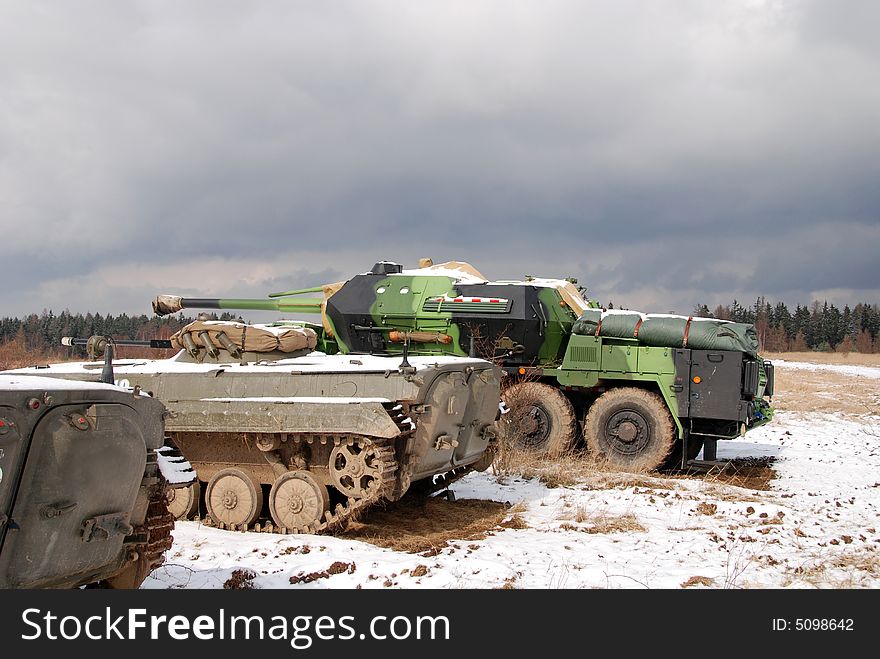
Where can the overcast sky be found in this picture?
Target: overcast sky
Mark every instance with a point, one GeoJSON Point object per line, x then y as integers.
{"type": "Point", "coordinates": [665, 153]}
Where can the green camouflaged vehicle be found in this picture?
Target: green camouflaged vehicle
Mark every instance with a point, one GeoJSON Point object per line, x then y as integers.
{"type": "Point", "coordinates": [642, 391]}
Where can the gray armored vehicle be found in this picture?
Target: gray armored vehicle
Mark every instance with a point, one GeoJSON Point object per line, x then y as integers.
{"type": "Point", "coordinates": [287, 439]}
{"type": "Point", "coordinates": [82, 490]}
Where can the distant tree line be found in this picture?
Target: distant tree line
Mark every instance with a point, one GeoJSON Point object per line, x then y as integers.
{"type": "Point", "coordinates": [819, 326]}
{"type": "Point", "coordinates": [38, 336]}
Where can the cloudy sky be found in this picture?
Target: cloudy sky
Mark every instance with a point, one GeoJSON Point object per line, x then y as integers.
{"type": "Point", "coordinates": [665, 153]}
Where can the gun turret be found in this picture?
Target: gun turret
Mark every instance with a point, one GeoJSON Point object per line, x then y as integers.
{"type": "Point", "coordinates": [444, 309]}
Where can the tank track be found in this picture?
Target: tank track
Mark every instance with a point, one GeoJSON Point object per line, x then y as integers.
{"type": "Point", "coordinates": [158, 526]}
{"type": "Point", "coordinates": [383, 487]}
{"type": "Point", "coordinates": [443, 481]}
{"type": "Point", "coordinates": [150, 553]}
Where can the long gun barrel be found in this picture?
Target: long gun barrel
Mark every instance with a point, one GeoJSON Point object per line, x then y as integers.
{"type": "Point", "coordinates": [164, 305]}
{"type": "Point", "coordinates": [146, 343]}
{"type": "Point", "coordinates": [98, 346]}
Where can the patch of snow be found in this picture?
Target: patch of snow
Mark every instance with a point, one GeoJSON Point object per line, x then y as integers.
{"type": "Point", "coordinates": [458, 276]}
{"type": "Point", "coordinates": [311, 363]}
{"type": "Point", "coordinates": [27, 382]}
{"type": "Point", "coordinates": [816, 525]}
{"type": "Point", "coordinates": [174, 467]}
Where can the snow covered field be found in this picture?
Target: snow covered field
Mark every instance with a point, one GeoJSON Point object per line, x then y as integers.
{"type": "Point", "coordinates": [816, 525]}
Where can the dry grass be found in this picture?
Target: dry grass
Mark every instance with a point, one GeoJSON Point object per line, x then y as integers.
{"type": "Point", "coordinates": [698, 581]}
{"type": "Point", "coordinates": [516, 521]}
{"type": "Point", "coordinates": [800, 390]}
{"type": "Point", "coordinates": [747, 473]}
{"type": "Point", "coordinates": [414, 524]}
{"type": "Point", "coordinates": [850, 358]}
{"type": "Point", "coordinates": [576, 467]}
{"type": "Point", "coordinates": [601, 524]}
{"type": "Point", "coordinates": [563, 471]}
{"type": "Point", "coordinates": [857, 566]}
{"type": "Point", "coordinates": [624, 481]}
{"type": "Point", "coordinates": [706, 508]}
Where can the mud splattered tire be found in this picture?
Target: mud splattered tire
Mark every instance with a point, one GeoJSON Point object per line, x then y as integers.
{"type": "Point", "coordinates": [541, 419]}
{"type": "Point", "coordinates": [233, 498]}
{"type": "Point", "coordinates": [630, 428]}
{"type": "Point", "coordinates": [183, 502]}
{"type": "Point", "coordinates": [298, 501]}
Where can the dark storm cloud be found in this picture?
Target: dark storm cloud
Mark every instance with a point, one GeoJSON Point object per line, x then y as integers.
{"type": "Point", "coordinates": [665, 153]}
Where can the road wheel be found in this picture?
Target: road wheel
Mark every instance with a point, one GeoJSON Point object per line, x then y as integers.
{"type": "Point", "coordinates": [183, 502]}
{"type": "Point", "coordinates": [541, 419]}
{"type": "Point", "coordinates": [233, 498]}
{"type": "Point", "coordinates": [298, 501]}
{"type": "Point", "coordinates": [630, 428]}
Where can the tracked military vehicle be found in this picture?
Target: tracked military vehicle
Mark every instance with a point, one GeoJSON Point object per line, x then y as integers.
{"type": "Point", "coordinates": [288, 439]}
{"type": "Point", "coordinates": [643, 391]}
{"type": "Point", "coordinates": [83, 480]}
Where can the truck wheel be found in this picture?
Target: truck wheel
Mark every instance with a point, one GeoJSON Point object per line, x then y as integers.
{"type": "Point", "coordinates": [541, 419]}
{"type": "Point", "coordinates": [233, 498]}
{"type": "Point", "coordinates": [630, 428]}
{"type": "Point", "coordinates": [183, 502]}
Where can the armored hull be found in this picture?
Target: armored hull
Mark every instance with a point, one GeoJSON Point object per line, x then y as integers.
{"type": "Point", "coordinates": [298, 443]}
{"type": "Point", "coordinates": [82, 484]}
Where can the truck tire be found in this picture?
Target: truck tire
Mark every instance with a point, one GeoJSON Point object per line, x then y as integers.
{"type": "Point", "coordinates": [630, 429]}
{"type": "Point", "coordinates": [541, 419]}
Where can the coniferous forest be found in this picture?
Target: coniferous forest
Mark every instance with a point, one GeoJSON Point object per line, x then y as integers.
{"type": "Point", "coordinates": [819, 326]}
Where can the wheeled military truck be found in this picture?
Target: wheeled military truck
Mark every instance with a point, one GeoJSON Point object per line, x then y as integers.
{"type": "Point", "coordinates": [650, 395]}
{"type": "Point", "coordinates": [284, 438]}
{"type": "Point", "coordinates": [82, 484]}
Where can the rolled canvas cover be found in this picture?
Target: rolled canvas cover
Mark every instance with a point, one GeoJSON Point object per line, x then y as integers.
{"type": "Point", "coordinates": [664, 330]}
{"type": "Point", "coordinates": [251, 338]}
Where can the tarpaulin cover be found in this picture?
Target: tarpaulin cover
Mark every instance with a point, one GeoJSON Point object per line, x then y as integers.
{"type": "Point", "coordinates": [251, 338]}
{"type": "Point", "coordinates": [664, 330]}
